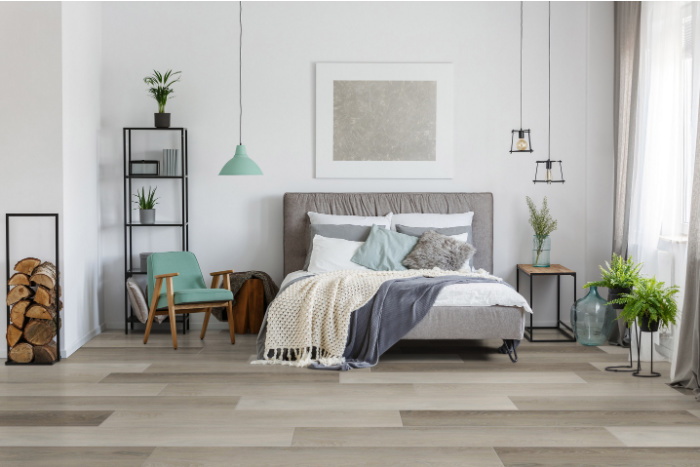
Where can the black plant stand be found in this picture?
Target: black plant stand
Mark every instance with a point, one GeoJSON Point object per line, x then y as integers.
{"type": "Point", "coordinates": [623, 368]}
{"type": "Point", "coordinates": [58, 280]}
{"type": "Point", "coordinates": [638, 371]}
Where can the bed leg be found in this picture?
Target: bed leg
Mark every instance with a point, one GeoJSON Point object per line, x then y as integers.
{"type": "Point", "coordinates": [510, 348]}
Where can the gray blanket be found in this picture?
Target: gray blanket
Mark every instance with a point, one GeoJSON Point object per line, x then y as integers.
{"type": "Point", "coordinates": [397, 307]}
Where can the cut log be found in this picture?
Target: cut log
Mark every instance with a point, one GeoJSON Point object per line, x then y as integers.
{"type": "Point", "coordinates": [17, 313]}
{"type": "Point", "coordinates": [19, 279]}
{"type": "Point", "coordinates": [41, 312]}
{"type": "Point", "coordinates": [45, 353]}
{"type": "Point", "coordinates": [39, 331]}
{"type": "Point", "coordinates": [13, 335]}
{"type": "Point", "coordinates": [44, 274]}
{"type": "Point", "coordinates": [19, 293]}
{"type": "Point", "coordinates": [27, 265]}
{"type": "Point", "coordinates": [44, 296]}
{"type": "Point", "coordinates": [22, 353]}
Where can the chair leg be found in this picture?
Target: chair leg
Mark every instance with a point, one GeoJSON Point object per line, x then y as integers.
{"type": "Point", "coordinates": [231, 327]}
{"type": "Point", "coordinates": [207, 314]}
{"type": "Point", "coordinates": [171, 310]}
{"type": "Point", "coordinates": [152, 312]}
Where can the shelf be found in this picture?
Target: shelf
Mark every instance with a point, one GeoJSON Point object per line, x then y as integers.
{"type": "Point", "coordinates": [146, 128]}
{"type": "Point", "coordinates": [155, 176]}
{"type": "Point", "coordinates": [135, 271]}
{"type": "Point", "coordinates": [157, 224]}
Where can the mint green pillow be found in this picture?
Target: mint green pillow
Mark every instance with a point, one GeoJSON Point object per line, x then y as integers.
{"type": "Point", "coordinates": [384, 250]}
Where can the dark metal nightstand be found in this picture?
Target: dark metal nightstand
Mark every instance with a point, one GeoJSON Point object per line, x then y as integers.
{"type": "Point", "coordinates": [553, 270]}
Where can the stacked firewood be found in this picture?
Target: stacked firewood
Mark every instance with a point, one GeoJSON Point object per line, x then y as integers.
{"type": "Point", "coordinates": [35, 301]}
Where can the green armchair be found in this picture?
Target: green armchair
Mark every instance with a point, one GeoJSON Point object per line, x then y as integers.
{"type": "Point", "coordinates": [185, 291]}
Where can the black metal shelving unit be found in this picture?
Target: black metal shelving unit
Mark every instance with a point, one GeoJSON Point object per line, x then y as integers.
{"type": "Point", "coordinates": [130, 224]}
{"type": "Point", "coordinates": [58, 280]}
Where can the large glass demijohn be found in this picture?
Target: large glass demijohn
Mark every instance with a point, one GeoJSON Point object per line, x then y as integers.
{"type": "Point", "coordinates": [591, 319]}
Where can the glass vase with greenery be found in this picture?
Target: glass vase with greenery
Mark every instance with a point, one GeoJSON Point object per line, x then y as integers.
{"type": "Point", "coordinates": [543, 224]}
{"type": "Point", "coordinates": [650, 303]}
{"type": "Point", "coordinates": [160, 88]}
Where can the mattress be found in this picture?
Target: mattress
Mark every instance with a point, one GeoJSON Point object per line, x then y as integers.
{"type": "Point", "coordinates": [467, 311]}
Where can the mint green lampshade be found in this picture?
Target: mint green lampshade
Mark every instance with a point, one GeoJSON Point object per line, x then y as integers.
{"type": "Point", "coordinates": [240, 164]}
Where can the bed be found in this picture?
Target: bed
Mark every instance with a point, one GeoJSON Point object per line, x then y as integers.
{"type": "Point", "coordinates": [442, 322]}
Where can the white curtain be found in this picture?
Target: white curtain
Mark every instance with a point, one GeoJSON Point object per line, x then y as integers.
{"type": "Point", "coordinates": [666, 129]}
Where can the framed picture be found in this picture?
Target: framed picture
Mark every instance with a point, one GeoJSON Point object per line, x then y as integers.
{"type": "Point", "coordinates": [377, 120]}
{"type": "Point", "coordinates": [144, 168]}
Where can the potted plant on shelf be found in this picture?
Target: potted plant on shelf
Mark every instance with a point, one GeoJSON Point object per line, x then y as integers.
{"type": "Point", "coordinates": [543, 224]}
{"type": "Point", "coordinates": [147, 205]}
{"type": "Point", "coordinates": [160, 90]}
{"type": "Point", "coordinates": [650, 303]}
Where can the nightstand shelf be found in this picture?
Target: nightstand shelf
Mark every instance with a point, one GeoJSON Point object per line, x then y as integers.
{"type": "Point", "coordinates": [554, 270]}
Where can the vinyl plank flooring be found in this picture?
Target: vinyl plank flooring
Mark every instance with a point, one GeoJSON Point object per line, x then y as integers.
{"type": "Point", "coordinates": [324, 457]}
{"type": "Point", "coordinates": [654, 436]}
{"type": "Point", "coordinates": [374, 403]}
{"type": "Point", "coordinates": [471, 367]}
{"type": "Point", "coordinates": [562, 418]}
{"type": "Point", "coordinates": [38, 456]}
{"type": "Point", "coordinates": [302, 376]}
{"type": "Point", "coordinates": [501, 377]}
{"type": "Point", "coordinates": [143, 436]}
{"type": "Point", "coordinates": [81, 389]}
{"type": "Point", "coordinates": [55, 417]}
{"type": "Point", "coordinates": [116, 403]}
{"type": "Point", "coordinates": [549, 390]}
{"type": "Point", "coordinates": [454, 437]}
{"type": "Point", "coordinates": [598, 456]}
{"type": "Point", "coordinates": [282, 389]}
{"type": "Point", "coordinates": [633, 403]}
{"type": "Point", "coordinates": [255, 418]}
{"type": "Point", "coordinates": [66, 372]}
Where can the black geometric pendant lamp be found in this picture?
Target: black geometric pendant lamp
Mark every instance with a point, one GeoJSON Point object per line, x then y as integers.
{"type": "Point", "coordinates": [520, 139]}
{"type": "Point", "coordinates": [549, 174]}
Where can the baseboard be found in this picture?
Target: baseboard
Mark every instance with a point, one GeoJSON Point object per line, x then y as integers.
{"type": "Point", "coordinates": [70, 349]}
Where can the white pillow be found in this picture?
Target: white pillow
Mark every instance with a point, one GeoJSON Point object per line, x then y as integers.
{"type": "Point", "coordinates": [432, 220]}
{"type": "Point", "coordinates": [333, 254]}
{"type": "Point", "coordinates": [319, 218]}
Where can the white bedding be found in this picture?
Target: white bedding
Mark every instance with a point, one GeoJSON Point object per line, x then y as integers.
{"type": "Point", "coordinates": [462, 294]}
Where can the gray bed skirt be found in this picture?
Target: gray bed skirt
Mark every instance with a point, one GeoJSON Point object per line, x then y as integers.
{"type": "Point", "coordinates": [471, 322]}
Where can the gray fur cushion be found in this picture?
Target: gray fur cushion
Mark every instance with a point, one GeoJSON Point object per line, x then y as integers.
{"type": "Point", "coordinates": [434, 250]}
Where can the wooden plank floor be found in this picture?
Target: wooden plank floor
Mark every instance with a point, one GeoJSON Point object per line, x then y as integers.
{"type": "Point", "coordinates": [116, 402]}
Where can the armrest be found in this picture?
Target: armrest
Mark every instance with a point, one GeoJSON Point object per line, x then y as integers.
{"type": "Point", "coordinates": [163, 276]}
{"type": "Point", "coordinates": [221, 273]}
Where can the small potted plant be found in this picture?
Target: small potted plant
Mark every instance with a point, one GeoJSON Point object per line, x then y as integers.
{"type": "Point", "coordinates": [619, 277]}
{"type": "Point", "coordinates": [650, 303]}
{"type": "Point", "coordinates": [543, 224]}
{"type": "Point", "coordinates": [146, 205]}
{"type": "Point", "coordinates": [160, 90]}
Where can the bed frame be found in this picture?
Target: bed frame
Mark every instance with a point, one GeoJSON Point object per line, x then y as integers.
{"type": "Point", "coordinates": [494, 322]}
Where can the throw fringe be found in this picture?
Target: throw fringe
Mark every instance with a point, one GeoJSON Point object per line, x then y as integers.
{"type": "Point", "coordinates": [300, 357]}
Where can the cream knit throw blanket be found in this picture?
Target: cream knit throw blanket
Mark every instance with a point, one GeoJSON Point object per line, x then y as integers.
{"type": "Point", "coordinates": [315, 313]}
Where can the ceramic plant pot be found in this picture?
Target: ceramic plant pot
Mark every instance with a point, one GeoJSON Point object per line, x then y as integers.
{"type": "Point", "coordinates": [646, 326]}
{"type": "Point", "coordinates": [147, 216]}
{"type": "Point", "coordinates": [162, 120]}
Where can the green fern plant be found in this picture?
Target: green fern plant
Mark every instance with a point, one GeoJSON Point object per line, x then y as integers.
{"type": "Point", "coordinates": [146, 200]}
{"type": "Point", "coordinates": [541, 221]}
{"type": "Point", "coordinates": [650, 298]}
{"type": "Point", "coordinates": [160, 86]}
{"type": "Point", "coordinates": [618, 274]}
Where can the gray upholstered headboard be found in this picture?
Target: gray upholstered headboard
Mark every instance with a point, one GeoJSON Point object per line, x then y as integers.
{"type": "Point", "coordinates": [296, 220]}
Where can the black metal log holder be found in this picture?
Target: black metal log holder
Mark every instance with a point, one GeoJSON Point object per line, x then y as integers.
{"type": "Point", "coordinates": [58, 275]}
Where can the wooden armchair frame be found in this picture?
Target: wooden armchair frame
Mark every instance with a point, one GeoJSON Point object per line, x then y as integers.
{"type": "Point", "coordinates": [188, 307]}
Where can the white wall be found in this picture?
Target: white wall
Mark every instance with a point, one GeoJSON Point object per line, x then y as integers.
{"type": "Point", "coordinates": [81, 59]}
{"type": "Point", "coordinates": [30, 128]}
{"type": "Point", "coordinates": [236, 222]}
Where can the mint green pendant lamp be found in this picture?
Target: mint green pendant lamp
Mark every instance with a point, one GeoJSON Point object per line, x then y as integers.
{"type": "Point", "coordinates": [240, 163]}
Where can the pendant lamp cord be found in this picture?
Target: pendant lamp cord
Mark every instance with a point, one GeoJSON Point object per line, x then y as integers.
{"type": "Point", "coordinates": [549, 82]}
{"type": "Point", "coordinates": [521, 65]}
{"type": "Point", "coordinates": [240, 73]}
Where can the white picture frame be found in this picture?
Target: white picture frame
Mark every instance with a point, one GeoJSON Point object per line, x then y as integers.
{"type": "Point", "coordinates": [440, 164]}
